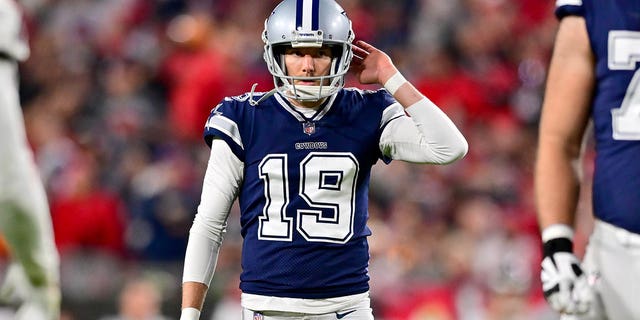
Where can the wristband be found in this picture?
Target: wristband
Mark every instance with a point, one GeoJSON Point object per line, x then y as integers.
{"type": "Point", "coordinates": [557, 231]}
{"type": "Point", "coordinates": [190, 314]}
{"type": "Point", "coordinates": [393, 84]}
{"type": "Point", "coordinates": [556, 245]}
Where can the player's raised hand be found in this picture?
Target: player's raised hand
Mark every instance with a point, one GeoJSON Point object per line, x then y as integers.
{"type": "Point", "coordinates": [370, 64]}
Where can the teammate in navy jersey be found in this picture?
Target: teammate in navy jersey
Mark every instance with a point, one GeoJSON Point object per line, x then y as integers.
{"type": "Point", "coordinates": [594, 76]}
{"type": "Point", "coordinates": [299, 158]}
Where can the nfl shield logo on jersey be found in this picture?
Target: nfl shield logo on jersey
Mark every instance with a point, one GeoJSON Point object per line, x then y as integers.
{"type": "Point", "coordinates": [258, 316]}
{"type": "Point", "coordinates": [309, 127]}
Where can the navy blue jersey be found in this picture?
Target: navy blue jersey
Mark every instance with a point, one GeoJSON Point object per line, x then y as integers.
{"type": "Point", "coordinates": [614, 33]}
{"type": "Point", "coordinates": [304, 197]}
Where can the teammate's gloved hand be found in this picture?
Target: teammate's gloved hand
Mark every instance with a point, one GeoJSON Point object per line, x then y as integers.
{"type": "Point", "coordinates": [564, 284]}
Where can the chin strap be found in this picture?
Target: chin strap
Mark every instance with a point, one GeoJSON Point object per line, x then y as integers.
{"type": "Point", "coordinates": [301, 92]}
{"type": "Point", "coordinates": [311, 93]}
{"type": "Point", "coordinates": [253, 102]}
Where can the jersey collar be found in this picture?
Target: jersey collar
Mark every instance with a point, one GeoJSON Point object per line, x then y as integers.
{"type": "Point", "coordinates": [324, 108]}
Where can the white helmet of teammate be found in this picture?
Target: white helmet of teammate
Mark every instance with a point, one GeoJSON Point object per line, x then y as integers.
{"type": "Point", "coordinates": [308, 23]}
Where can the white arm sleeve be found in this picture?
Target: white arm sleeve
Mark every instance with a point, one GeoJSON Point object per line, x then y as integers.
{"type": "Point", "coordinates": [222, 181]}
{"type": "Point", "coordinates": [427, 136]}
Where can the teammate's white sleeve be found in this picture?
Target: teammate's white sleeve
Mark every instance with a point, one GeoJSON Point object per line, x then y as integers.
{"type": "Point", "coordinates": [427, 136]}
{"type": "Point", "coordinates": [25, 220]}
{"type": "Point", "coordinates": [12, 39]}
{"type": "Point", "coordinates": [220, 188]}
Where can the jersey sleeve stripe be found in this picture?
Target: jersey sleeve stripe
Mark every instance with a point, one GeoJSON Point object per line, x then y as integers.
{"type": "Point", "coordinates": [226, 126]}
{"type": "Point", "coordinates": [393, 111]}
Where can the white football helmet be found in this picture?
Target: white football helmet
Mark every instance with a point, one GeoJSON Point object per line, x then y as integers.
{"type": "Point", "coordinates": [308, 23]}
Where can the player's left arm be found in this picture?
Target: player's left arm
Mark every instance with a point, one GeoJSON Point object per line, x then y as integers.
{"type": "Point", "coordinates": [429, 135]}
{"type": "Point", "coordinates": [220, 188]}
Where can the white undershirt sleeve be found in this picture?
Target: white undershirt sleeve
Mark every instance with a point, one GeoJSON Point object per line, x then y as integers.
{"type": "Point", "coordinates": [222, 181]}
{"type": "Point", "coordinates": [427, 136]}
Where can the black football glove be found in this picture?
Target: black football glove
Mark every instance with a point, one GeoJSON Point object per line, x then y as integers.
{"type": "Point", "coordinates": [564, 284]}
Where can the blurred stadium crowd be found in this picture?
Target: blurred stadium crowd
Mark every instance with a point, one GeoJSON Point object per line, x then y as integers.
{"type": "Point", "coordinates": [116, 93]}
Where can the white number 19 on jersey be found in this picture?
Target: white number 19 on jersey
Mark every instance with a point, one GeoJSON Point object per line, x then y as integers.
{"type": "Point", "coordinates": [327, 181]}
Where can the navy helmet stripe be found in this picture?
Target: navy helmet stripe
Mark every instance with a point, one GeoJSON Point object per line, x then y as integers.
{"type": "Point", "coordinates": [315, 15]}
{"type": "Point", "coordinates": [308, 14]}
{"type": "Point", "coordinates": [299, 8]}
{"type": "Point", "coordinates": [299, 5]}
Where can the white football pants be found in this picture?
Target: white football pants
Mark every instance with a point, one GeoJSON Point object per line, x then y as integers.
{"type": "Point", "coordinates": [360, 311]}
{"type": "Point", "coordinates": [612, 260]}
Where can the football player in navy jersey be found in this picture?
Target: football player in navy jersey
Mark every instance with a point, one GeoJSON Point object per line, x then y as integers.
{"type": "Point", "coordinates": [32, 279]}
{"type": "Point", "coordinates": [299, 158]}
{"type": "Point", "coordinates": [594, 75]}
